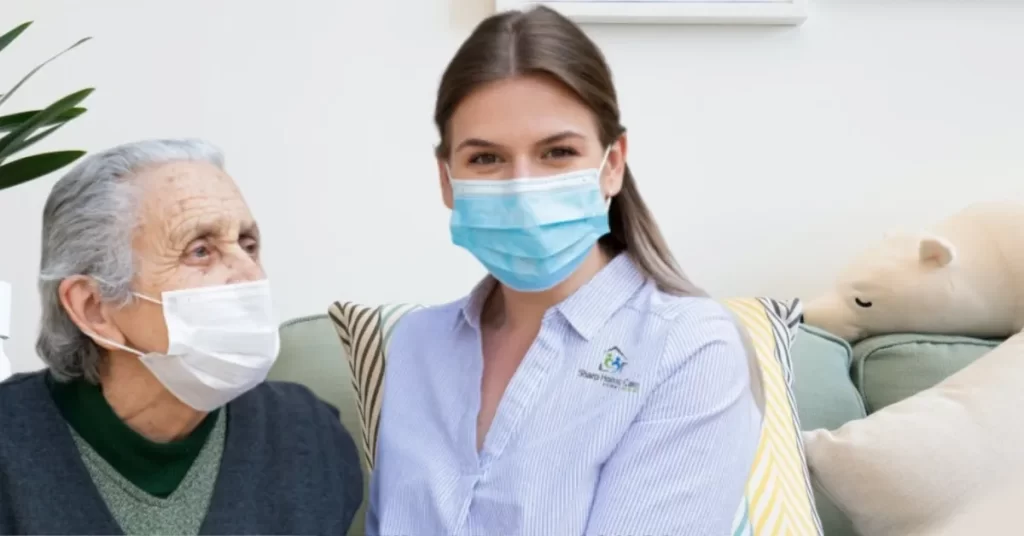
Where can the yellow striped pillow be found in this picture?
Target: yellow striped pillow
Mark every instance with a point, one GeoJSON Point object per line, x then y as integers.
{"type": "Point", "coordinates": [778, 501]}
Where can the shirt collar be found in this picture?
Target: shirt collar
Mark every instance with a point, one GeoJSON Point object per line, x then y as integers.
{"type": "Point", "coordinates": [473, 304]}
{"type": "Point", "coordinates": [587, 309]}
{"type": "Point", "coordinates": [593, 304]}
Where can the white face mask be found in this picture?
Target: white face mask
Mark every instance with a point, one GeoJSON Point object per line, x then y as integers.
{"type": "Point", "coordinates": [222, 342]}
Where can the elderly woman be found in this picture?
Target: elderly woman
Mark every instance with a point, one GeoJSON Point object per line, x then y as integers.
{"type": "Point", "coordinates": [153, 416]}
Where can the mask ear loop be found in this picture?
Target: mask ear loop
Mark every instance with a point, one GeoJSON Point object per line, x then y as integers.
{"type": "Point", "coordinates": [118, 345]}
{"type": "Point", "coordinates": [604, 160]}
{"type": "Point", "coordinates": [114, 344]}
{"type": "Point", "coordinates": [147, 298]}
{"type": "Point", "coordinates": [600, 173]}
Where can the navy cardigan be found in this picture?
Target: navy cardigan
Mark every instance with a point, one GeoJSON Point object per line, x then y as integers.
{"type": "Point", "coordinates": [288, 467]}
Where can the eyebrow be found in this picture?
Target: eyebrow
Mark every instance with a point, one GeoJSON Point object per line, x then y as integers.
{"type": "Point", "coordinates": [554, 138]}
{"type": "Point", "coordinates": [213, 228]}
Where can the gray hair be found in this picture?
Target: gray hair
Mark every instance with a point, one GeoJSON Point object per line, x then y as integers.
{"type": "Point", "coordinates": [88, 223]}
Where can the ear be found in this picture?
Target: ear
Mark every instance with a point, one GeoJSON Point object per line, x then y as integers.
{"type": "Point", "coordinates": [446, 183]}
{"type": "Point", "coordinates": [80, 298]}
{"type": "Point", "coordinates": [614, 168]}
{"type": "Point", "coordinates": [936, 250]}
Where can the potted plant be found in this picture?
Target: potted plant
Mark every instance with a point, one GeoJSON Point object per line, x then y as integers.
{"type": "Point", "coordinates": [19, 131]}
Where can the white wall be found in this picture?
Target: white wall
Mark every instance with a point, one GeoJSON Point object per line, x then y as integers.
{"type": "Point", "coordinates": [769, 155]}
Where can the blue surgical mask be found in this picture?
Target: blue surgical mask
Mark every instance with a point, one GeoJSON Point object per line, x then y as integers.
{"type": "Point", "coordinates": [530, 233]}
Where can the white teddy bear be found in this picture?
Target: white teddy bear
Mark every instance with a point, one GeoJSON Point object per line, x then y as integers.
{"type": "Point", "coordinates": [965, 276]}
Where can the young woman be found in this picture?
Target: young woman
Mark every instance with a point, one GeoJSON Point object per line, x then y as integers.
{"type": "Point", "coordinates": [585, 386]}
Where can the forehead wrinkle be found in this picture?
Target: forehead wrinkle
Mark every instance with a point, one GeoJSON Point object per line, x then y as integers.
{"type": "Point", "coordinates": [197, 216]}
{"type": "Point", "coordinates": [181, 200]}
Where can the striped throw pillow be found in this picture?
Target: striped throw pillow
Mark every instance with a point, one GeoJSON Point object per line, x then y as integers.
{"type": "Point", "coordinates": [364, 331]}
{"type": "Point", "coordinates": [778, 500]}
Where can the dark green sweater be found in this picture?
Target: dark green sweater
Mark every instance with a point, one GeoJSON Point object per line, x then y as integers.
{"type": "Point", "coordinates": [156, 468]}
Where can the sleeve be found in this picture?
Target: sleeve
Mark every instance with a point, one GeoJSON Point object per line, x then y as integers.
{"type": "Point", "coordinates": [350, 474]}
{"type": "Point", "coordinates": [402, 338]}
{"type": "Point", "coordinates": [682, 466]}
{"type": "Point", "coordinates": [353, 476]}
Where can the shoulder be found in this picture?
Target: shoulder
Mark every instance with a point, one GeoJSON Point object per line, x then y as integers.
{"type": "Point", "coordinates": [295, 410]}
{"type": "Point", "coordinates": [292, 410]}
{"type": "Point", "coordinates": [27, 406]}
{"type": "Point", "coordinates": [427, 321]}
{"type": "Point", "coordinates": [287, 398]}
{"type": "Point", "coordinates": [22, 390]}
{"type": "Point", "coordinates": [684, 317]}
{"type": "Point", "coordinates": [690, 326]}
{"type": "Point", "coordinates": [432, 314]}
{"type": "Point", "coordinates": [285, 393]}
{"type": "Point", "coordinates": [24, 401]}
{"type": "Point", "coordinates": [296, 429]}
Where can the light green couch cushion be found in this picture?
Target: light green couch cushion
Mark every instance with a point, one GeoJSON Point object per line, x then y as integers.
{"type": "Point", "coordinates": [825, 395]}
{"type": "Point", "coordinates": [825, 398]}
{"type": "Point", "coordinates": [889, 368]}
{"type": "Point", "coordinates": [311, 355]}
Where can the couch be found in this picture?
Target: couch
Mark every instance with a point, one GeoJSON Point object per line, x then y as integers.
{"type": "Point", "coordinates": [834, 382]}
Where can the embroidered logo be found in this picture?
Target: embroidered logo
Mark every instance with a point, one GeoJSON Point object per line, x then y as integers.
{"type": "Point", "coordinates": [609, 372]}
{"type": "Point", "coordinates": [613, 361]}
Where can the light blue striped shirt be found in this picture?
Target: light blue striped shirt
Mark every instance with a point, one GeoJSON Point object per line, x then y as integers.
{"type": "Point", "coordinates": [631, 414]}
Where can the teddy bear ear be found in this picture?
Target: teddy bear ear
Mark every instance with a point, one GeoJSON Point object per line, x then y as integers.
{"type": "Point", "coordinates": [936, 250]}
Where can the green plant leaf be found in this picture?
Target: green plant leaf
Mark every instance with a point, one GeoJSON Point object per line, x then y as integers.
{"type": "Point", "coordinates": [33, 167]}
{"type": "Point", "coordinates": [37, 137]}
{"type": "Point", "coordinates": [53, 127]}
{"type": "Point", "coordinates": [34, 71]}
{"type": "Point", "coordinates": [13, 121]}
{"type": "Point", "coordinates": [14, 140]}
{"type": "Point", "coordinates": [10, 36]}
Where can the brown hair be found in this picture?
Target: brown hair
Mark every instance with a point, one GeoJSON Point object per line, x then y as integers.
{"type": "Point", "coordinates": [542, 42]}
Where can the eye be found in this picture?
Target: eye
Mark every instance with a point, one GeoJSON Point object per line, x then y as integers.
{"type": "Point", "coordinates": [484, 159]}
{"type": "Point", "coordinates": [200, 252]}
{"type": "Point", "coordinates": [250, 245]}
{"type": "Point", "coordinates": [862, 303]}
{"type": "Point", "coordinates": [561, 152]}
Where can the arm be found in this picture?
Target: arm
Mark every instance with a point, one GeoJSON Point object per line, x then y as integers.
{"type": "Point", "coordinates": [350, 476]}
{"type": "Point", "coordinates": [683, 464]}
{"type": "Point", "coordinates": [395, 347]}
{"type": "Point", "coordinates": [354, 476]}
